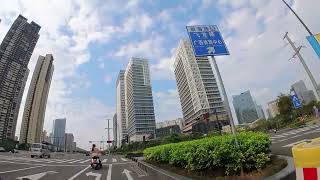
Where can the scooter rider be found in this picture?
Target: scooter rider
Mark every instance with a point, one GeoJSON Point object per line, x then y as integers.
{"type": "Point", "coordinates": [95, 153]}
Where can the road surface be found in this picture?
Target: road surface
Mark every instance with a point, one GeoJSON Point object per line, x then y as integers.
{"type": "Point", "coordinates": [283, 142]}
{"type": "Point", "coordinates": [69, 167]}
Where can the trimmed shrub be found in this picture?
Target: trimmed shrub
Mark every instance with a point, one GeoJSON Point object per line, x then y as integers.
{"type": "Point", "coordinates": [215, 152]}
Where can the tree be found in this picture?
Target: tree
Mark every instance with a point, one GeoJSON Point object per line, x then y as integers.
{"type": "Point", "coordinates": [285, 104]}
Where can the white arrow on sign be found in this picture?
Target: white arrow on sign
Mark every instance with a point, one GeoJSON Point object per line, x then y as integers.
{"type": "Point", "coordinates": [127, 173]}
{"type": "Point", "coordinates": [210, 50]}
{"type": "Point", "coordinates": [97, 175]}
{"type": "Point", "coordinates": [37, 176]}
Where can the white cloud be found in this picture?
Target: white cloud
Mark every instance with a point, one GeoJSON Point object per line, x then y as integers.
{"type": "Point", "coordinates": [167, 105]}
{"type": "Point", "coordinates": [139, 23]}
{"type": "Point", "coordinates": [149, 48]}
{"type": "Point", "coordinates": [107, 79]}
{"type": "Point", "coordinates": [101, 65]}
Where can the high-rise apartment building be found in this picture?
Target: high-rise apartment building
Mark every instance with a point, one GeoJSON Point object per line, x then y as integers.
{"type": "Point", "coordinates": [121, 109]}
{"type": "Point", "coordinates": [305, 96]}
{"type": "Point", "coordinates": [140, 118]}
{"type": "Point", "coordinates": [115, 130]}
{"type": "Point", "coordinates": [36, 102]}
{"type": "Point", "coordinates": [59, 130]}
{"type": "Point", "coordinates": [15, 52]}
{"type": "Point", "coordinates": [68, 140]}
{"type": "Point", "coordinates": [245, 108]}
{"type": "Point", "coordinates": [199, 94]}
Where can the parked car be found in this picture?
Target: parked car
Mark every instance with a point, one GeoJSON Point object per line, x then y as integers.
{"type": "Point", "coordinates": [40, 150]}
{"type": "Point", "coordinates": [2, 149]}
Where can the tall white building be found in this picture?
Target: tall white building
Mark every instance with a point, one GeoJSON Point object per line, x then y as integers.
{"type": "Point", "coordinates": [36, 102]}
{"type": "Point", "coordinates": [198, 90]}
{"type": "Point", "coordinates": [121, 109]}
{"type": "Point", "coordinates": [140, 118]}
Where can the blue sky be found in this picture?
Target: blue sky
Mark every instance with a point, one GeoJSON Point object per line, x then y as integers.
{"type": "Point", "coordinates": [92, 40]}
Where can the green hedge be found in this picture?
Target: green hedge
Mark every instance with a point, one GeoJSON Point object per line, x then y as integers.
{"type": "Point", "coordinates": [215, 152]}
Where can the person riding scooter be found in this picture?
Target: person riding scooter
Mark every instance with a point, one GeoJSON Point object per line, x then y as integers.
{"type": "Point", "coordinates": [95, 153]}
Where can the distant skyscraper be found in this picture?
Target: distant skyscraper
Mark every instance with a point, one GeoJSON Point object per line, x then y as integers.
{"type": "Point", "coordinates": [198, 90]}
{"type": "Point", "coordinates": [140, 118]}
{"type": "Point", "coordinates": [69, 138]}
{"type": "Point", "coordinates": [59, 130]}
{"type": "Point", "coordinates": [305, 96]}
{"type": "Point", "coordinates": [121, 109]}
{"type": "Point", "coordinates": [15, 52]}
{"type": "Point", "coordinates": [245, 108]}
{"type": "Point", "coordinates": [36, 102]}
{"type": "Point", "coordinates": [115, 130]}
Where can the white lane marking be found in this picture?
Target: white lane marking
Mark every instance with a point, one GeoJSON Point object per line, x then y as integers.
{"type": "Point", "coordinates": [114, 160]}
{"type": "Point", "coordinates": [75, 161]}
{"type": "Point", "coordinates": [105, 160]}
{"type": "Point", "coordinates": [97, 175]}
{"type": "Point", "coordinates": [295, 143]}
{"type": "Point", "coordinates": [20, 169]}
{"type": "Point", "coordinates": [85, 161]}
{"type": "Point", "coordinates": [123, 159]}
{"type": "Point", "coordinates": [127, 173]}
{"type": "Point", "coordinates": [36, 176]}
{"type": "Point", "coordinates": [76, 175]}
{"type": "Point", "coordinates": [109, 172]}
{"type": "Point", "coordinates": [66, 161]}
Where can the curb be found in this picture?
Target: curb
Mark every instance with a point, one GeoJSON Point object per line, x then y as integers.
{"type": "Point", "coordinates": [158, 172]}
{"type": "Point", "coordinates": [284, 173]}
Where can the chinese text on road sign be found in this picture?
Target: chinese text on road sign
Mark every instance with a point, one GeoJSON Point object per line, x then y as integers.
{"type": "Point", "coordinates": [207, 40]}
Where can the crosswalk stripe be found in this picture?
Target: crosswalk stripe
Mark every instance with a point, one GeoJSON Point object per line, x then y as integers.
{"type": "Point", "coordinates": [66, 161]}
{"type": "Point", "coordinates": [105, 160]}
{"type": "Point", "coordinates": [297, 142]}
{"type": "Point", "coordinates": [123, 159]}
{"type": "Point", "coordinates": [114, 160]}
{"type": "Point", "coordinates": [85, 161]}
{"type": "Point", "coordinates": [75, 161]}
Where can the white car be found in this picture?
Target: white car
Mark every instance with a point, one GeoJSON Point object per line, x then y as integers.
{"type": "Point", "coordinates": [40, 150]}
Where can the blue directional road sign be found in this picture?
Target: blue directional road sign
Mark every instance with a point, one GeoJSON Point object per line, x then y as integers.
{"type": "Point", "coordinates": [206, 40]}
{"type": "Point", "coordinates": [295, 101]}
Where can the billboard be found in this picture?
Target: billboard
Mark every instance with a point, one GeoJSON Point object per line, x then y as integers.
{"type": "Point", "coordinates": [315, 43]}
{"type": "Point", "coordinates": [206, 40]}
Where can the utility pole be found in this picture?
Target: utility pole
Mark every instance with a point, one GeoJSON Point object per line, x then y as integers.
{"type": "Point", "coordinates": [297, 53]}
{"type": "Point", "coordinates": [108, 129]}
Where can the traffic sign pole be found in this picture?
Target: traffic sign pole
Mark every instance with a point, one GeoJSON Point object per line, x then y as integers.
{"type": "Point", "coordinates": [226, 101]}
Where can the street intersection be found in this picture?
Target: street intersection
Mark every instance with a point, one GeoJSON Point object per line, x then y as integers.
{"type": "Point", "coordinates": [71, 167]}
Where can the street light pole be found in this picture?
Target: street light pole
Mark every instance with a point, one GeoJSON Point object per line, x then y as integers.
{"type": "Point", "coordinates": [304, 25]}
{"type": "Point", "coordinates": [226, 101]}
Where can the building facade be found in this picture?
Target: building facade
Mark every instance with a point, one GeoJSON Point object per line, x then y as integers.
{"type": "Point", "coordinates": [115, 130]}
{"type": "Point", "coordinates": [69, 139]}
{"type": "Point", "coordinates": [58, 133]}
{"type": "Point", "coordinates": [199, 94]}
{"type": "Point", "coordinates": [260, 112]}
{"type": "Point", "coordinates": [305, 96]}
{"type": "Point", "coordinates": [121, 109]}
{"type": "Point", "coordinates": [273, 109]}
{"type": "Point", "coordinates": [245, 108]}
{"type": "Point", "coordinates": [140, 118]}
{"type": "Point", "coordinates": [15, 52]}
{"type": "Point", "coordinates": [166, 128]}
{"type": "Point", "coordinates": [36, 102]}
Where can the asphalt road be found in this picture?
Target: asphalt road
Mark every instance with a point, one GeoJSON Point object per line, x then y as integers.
{"type": "Point", "coordinates": [69, 167]}
{"type": "Point", "coordinates": [283, 142]}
